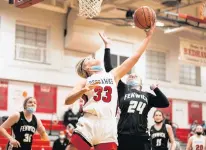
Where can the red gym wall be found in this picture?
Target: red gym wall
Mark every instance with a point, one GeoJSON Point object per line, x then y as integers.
{"type": "Point", "coordinates": [194, 112]}
{"type": "Point", "coordinates": [3, 95]}
{"type": "Point", "coordinates": [168, 110]}
{"type": "Point", "coordinates": [46, 100]}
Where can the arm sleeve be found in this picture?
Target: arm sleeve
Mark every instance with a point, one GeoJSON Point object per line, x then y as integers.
{"type": "Point", "coordinates": [160, 100]}
{"type": "Point", "coordinates": [121, 87]}
{"type": "Point", "coordinates": [107, 60]}
{"type": "Point", "coordinates": [108, 67]}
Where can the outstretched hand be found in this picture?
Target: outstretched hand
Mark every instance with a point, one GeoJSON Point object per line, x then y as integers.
{"type": "Point", "coordinates": [105, 39]}
{"type": "Point", "coordinates": [152, 87]}
{"type": "Point", "coordinates": [149, 32]}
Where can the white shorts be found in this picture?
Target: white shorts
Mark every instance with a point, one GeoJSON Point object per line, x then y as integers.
{"type": "Point", "coordinates": [97, 130]}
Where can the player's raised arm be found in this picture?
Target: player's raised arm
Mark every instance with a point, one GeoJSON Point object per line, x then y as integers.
{"type": "Point", "coordinates": [127, 65]}
{"type": "Point", "coordinates": [107, 55]}
{"type": "Point", "coordinates": [159, 99]}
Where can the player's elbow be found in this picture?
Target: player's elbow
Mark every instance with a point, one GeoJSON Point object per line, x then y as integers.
{"type": "Point", "coordinates": [167, 104]}
{"type": "Point", "coordinates": [164, 106]}
{"type": "Point", "coordinates": [1, 128]}
{"type": "Point", "coordinates": [161, 104]}
{"type": "Point", "coordinates": [68, 101]}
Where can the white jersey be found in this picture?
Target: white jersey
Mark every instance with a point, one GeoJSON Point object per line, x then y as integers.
{"type": "Point", "coordinates": [198, 142]}
{"type": "Point", "coordinates": [102, 101]}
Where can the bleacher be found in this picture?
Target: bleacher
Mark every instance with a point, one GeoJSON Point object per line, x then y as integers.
{"type": "Point", "coordinates": [55, 127]}
{"type": "Point", "coordinates": [38, 144]}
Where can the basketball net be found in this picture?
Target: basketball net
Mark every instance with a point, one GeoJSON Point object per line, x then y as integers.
{"type": "Point", "coordinates": [203, 11]}
{"type": "Point", "coordinates": [89, 8]}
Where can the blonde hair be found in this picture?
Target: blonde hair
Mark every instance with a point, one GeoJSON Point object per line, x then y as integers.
{"type": "Point", "coordinates": [79, 69]}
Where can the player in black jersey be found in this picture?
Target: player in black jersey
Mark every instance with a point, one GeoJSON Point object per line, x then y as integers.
{"type": "Point", "coordinates": [134, 105]}
{"type": "Point", "coordinates": [161, 133]}
{"type": "Point", "coordinates": [23, 125]}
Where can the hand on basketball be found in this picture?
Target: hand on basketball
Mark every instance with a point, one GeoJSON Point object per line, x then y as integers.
{"type": "Point", "coordinates": [92, 86]}
{"type": "Point", "coordinates": [150, 31]}
{"type": "Point", "coordinates": [14, 143]}
{"type": "Point", "coordinates": [152, 87]}
{"type": "Point", "coordinates": [105, 39]}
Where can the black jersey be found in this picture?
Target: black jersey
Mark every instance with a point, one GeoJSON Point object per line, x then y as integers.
{"type": "Point", "coordinates": [159, 138]}
{"type": "Point", "coordinates": [134, 106]}
{"type": "Point", "coordinates": [23, 132]}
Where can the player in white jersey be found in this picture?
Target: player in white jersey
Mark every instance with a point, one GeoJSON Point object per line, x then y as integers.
{"type": "Point", "coordinates": [98, 126]}
{"type": "Point", "coordinates": [197, 141]}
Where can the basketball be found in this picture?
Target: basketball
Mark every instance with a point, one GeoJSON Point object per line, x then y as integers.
{"type": "Point", "coordinates": [144, 17]}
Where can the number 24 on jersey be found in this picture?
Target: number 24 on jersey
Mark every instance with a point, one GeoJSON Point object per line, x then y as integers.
{"type": "Point", "coordinates": [136, 106]}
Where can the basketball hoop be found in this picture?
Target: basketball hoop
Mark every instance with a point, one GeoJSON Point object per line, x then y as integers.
{"type": "Point", "coordinates": [89, 8]}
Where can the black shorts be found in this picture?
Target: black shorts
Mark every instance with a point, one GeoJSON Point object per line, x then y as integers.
{"type": "Point", "coordinates": [131, 142]}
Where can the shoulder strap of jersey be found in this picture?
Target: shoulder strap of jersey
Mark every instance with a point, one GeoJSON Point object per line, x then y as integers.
{"type": "Point", "coordinates": [35, 120]}
{"type": "Point", "coordinates": [21, 115]}
{"type": "Point", "coordinates": [165, 127]}
{"type": "Point", "coordinates": [152, 128]}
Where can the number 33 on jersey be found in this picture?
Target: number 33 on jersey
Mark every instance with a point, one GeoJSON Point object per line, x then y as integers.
{"type": "Point", "coordinates": [102, 101]}
{"type": "Point", "coordinates": [104, 94]}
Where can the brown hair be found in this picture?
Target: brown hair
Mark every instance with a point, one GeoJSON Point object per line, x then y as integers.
{"type": "Point", "coordinates": [160, 112]}
{"type": "Point", "coordinates": [25, 102]}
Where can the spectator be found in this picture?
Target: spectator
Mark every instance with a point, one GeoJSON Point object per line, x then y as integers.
{"type": "Point", "coordinates": [193, 128]}
{"type": "Point", "coordinates": [3, 118]}
{"type": "Point", "coordinates": [204, 127]}
{"type": "Point", "coordinates": [69, 131]}
{"type": "Point", "coordinates": [61, 143]}
{"type": "Point", "coordinates": [167, 119]}
{"type": "Point", "coordinates": [71, 118]}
